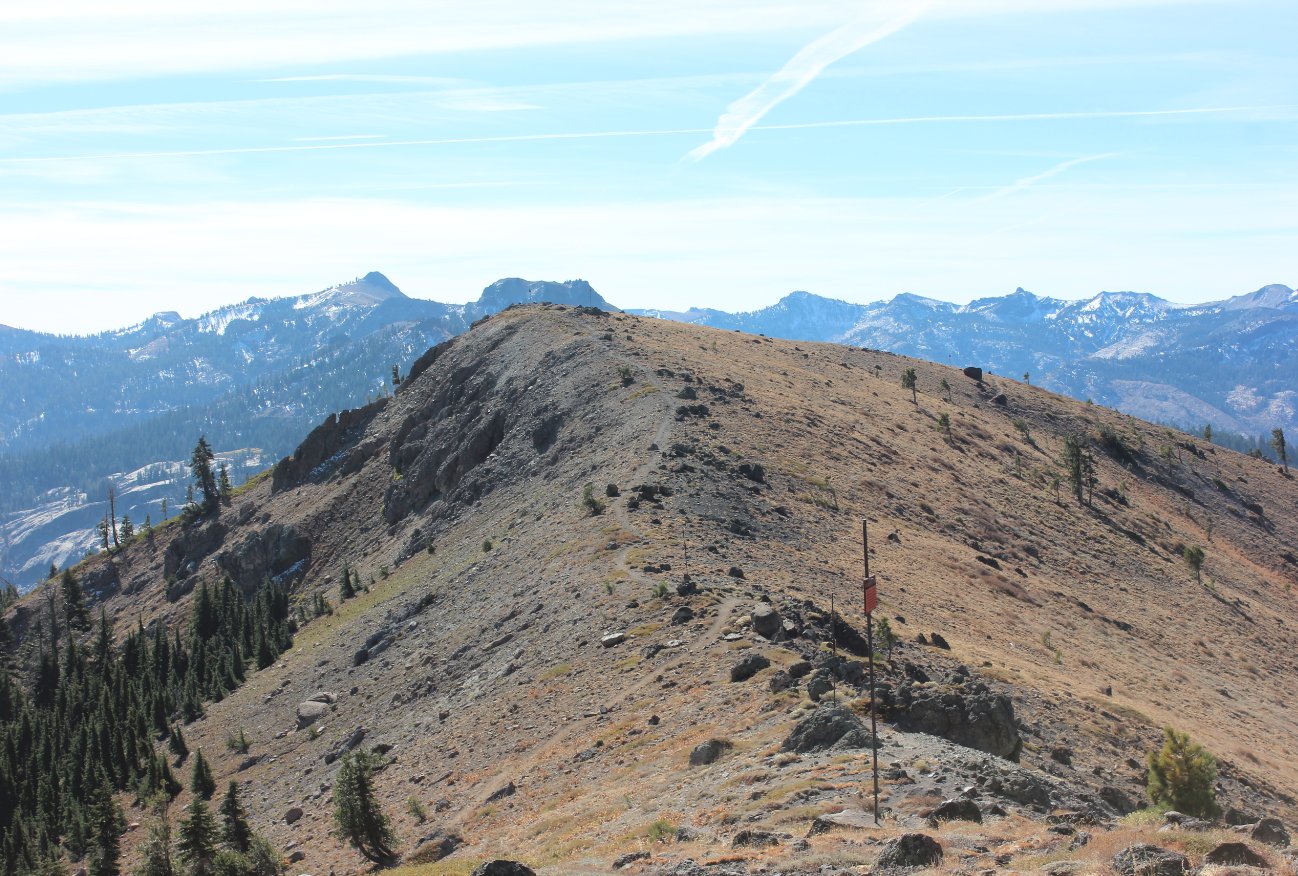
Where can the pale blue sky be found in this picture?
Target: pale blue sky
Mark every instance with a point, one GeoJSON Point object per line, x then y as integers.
{"type": "Point", "coordinates": [673, 153]}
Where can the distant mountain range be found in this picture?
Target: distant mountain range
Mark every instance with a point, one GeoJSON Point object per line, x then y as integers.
{"type": "Point", "coordinates": [124, 408]}
{"type": "Point", "coordinates": [1232, 364]}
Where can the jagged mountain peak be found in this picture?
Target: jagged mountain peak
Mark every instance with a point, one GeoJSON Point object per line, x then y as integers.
{"type": "Point", "coordinates": [368, 291]}
{"type": "Point", "coordinates": [515, 290]}
{"type": "Point", "coordinates": [1275, 296]}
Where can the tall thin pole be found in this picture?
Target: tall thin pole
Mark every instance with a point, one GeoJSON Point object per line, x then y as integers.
{"type": "Point", "coordinates": [869, 645]}
{"type": "Point", "coordinates": [833, 644]}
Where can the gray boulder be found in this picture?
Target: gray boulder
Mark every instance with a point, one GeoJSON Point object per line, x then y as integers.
{"type": "Point", "coordinates": [707, 752]}
{"type": "Point", "coordinates": [754, 839]}
{"type": "Point", "coordinates": [909, 850]}
{"type": "Point", "coordinates": [957, 809]}
{"type": "Point", "coordinates": [504, 868]}
{"type": "Point", "coordinates": [819, 685]}
{"type": "Point", "coordinates": [766, 620]}
{"type": "Point", "coordinates": [1144, 859]}
{"type": "Point", "coordinates": [748, 666]}
{"type": "Point", "coordinates": [1235, 855]}
{"type": "Point", "coordinates": [437, 845]}
{"type": "Point", "coordinates": [829, 727]}
{"type": "Point", "coordinates": [310, 712]}
{"type": "Point", "coordinates": [1272, 832]}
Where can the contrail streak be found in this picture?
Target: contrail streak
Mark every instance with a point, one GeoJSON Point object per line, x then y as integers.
{"type": "Point", "coordinates": [665, 132]}
{"type": "Point", "coordinates": [1029, 181]}
{"type": "Point", "coordinates": [802, 69]}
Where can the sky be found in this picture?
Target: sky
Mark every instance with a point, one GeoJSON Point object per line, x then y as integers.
{"type": "Point", "coordinates": [181, 156]}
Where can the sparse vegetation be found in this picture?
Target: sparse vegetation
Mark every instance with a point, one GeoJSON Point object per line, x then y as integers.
{"type": "Point", "coordinates": [1193, 556]}
{"type": "Point", "coordinates": [661, 832]}
{"type": "Point", "coordinates": [238, 742]}
{"type": "Point", "coordinates": [417, 810]}
{"type": "Point", "coordinates": [593, 504]}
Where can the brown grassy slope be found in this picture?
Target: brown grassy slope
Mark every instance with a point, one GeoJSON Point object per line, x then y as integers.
{"type": "Point", "coordinates": [501, 676]}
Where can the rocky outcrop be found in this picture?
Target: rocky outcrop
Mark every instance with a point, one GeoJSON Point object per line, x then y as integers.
{"type": "Point", "coordinates": [829, 727]}
{"type": "Point", "coordinates": [324, 448]}
{"type": "Point", "coordinates": [194, 544]}
{"type": "Point", "coordinates": [275, 551]}
{"type": "Point", "coordinates": [967, 713]}
{"type": "Point", "coordinates": [450, 435]}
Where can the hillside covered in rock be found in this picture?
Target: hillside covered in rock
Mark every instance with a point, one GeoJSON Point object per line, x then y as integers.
{"type": "Point", "coordinates": [598, 553]}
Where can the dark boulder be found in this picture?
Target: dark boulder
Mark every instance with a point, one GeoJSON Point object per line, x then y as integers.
{"type": "Point", "coordinates": [1144, 859]}
{"type": "Point", "coordinates": [1118, 799]}
{"type": "Point", "coordinates": [766, 621]}
{"type": "Point", "coordinates": [754, 839]}
{"type": "Point", "coordinates": [973, 372]}
{"type": "Point", "coordinates": [707, 752]}
{"type": "Point", "coordinates": [504, 868]}
{"type": "Point", "coordinates": [958, 809]}
{"type": "Point", "coordinates": [748, 666]}
{"type": "Point", "coordinates": [1272, 832]}
{"type": "Point", "coordinates": [1235, 855]}
{"type": "Point", "coordinates": [909, 850]}
{"type": "Point", "coordinates": [829, 727]}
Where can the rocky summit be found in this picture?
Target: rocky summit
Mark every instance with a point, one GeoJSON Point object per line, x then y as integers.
{"type": "Point", "coordinates": [607, 616]}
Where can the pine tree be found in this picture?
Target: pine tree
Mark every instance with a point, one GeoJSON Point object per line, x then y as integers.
{"type": "Point", "coordinates": [1278, 445]}
{"type": "Point", "coordinates": [196, 839]}
{"type": "Point", "coordinates": [1079, 465]}
{"type": "Point", "coordinates": [128, 528]}
{"type": "Point", "coordinates": [201, 781]}
{"type": "Point", "coordinates": [345, 589]}
{"type": "Point", "coordinates": [105, 830]}
{"type": "Point", "coordinates": [74, 602]}
{"type": "Point", "coordinates": [910, 381]}
{"type": "Point", "coordinates": [156, 854]}
{"type": "Point", "coordinates": [357, 815]}
{"type": "Point", "coordinates": [235, 831]}
{"type": "Point", "coordinates": [1182, 776]}
{"type": "Point", "coordinates": [200, 465]}
{"type": "Point", "coordinates": [176, 740]}
{"type": "Point", "coordinates": [1193, 556]}
{"type": "Point", "coordinates": [224, 490]}
{"type": "Point", "coordinates": [112, 514]}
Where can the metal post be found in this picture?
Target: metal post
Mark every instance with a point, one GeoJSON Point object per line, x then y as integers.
{"type": "Point", "coordinates": [833, 647]}
{"type": "Point", "coordinates": [869, 644]}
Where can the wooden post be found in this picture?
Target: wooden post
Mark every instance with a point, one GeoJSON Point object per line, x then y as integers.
{"type": "Point", "coordinates": [869, 596]}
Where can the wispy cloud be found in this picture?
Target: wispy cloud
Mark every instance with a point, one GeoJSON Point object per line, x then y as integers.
{"type": "Point", "coordinates": [1028, 182]}
{"type": "Point", "coordinates": [660, 132]}
{"type": "Point", "coordinates": [803, 68]}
